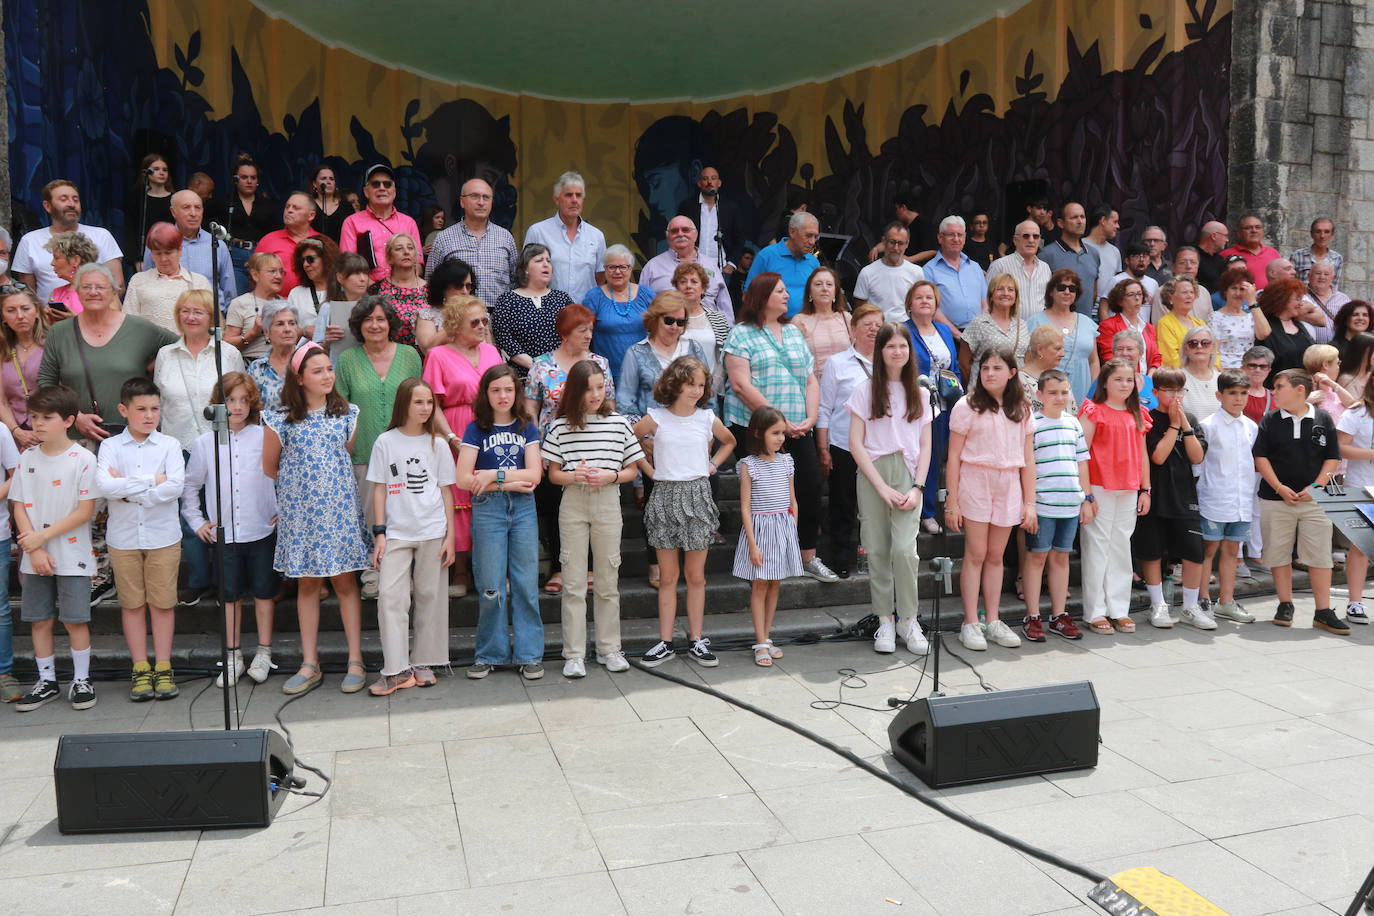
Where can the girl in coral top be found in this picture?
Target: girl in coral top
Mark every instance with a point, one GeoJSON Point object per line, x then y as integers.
{"type": "Point", "coordinates": [1119, 467]}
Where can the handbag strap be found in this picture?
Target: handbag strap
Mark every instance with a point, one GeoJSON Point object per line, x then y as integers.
{"type": "Point", "coordinates": [86, 367]}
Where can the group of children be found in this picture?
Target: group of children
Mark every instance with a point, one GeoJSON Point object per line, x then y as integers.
{"type": "Point", "coordinates": [1121, 476]}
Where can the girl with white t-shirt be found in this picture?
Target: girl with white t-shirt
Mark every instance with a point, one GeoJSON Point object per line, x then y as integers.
{"type": "Point", "coordinates": [413, 473]}
{"type": "Point", "coordinates": [1355, 432]}
{"type": "Point", "coordinates": [889, 437]}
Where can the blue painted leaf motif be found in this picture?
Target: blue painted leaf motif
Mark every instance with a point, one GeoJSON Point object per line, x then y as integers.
{"type": "Point", "coordinates": [193, 46]}
{"type": "Point", "coordinates": [195, 76]}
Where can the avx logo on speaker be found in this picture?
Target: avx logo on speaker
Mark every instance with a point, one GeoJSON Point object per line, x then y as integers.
{"type": "Point", "coordinates": [174, 795]}
{"type": "Point", "coordinates": [1033, 744]}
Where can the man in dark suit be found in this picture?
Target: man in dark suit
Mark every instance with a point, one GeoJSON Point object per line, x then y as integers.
{"type": "Point", "coordinates": [721, 233]}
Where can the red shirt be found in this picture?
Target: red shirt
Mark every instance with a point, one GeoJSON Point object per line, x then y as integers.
{"type": "Point", "coordinates": [1118, 447]}
{"type": "Point", "coordinates": [281, 244]}
{"type": "Point", "coordinates": [1256, 408]}
{"type": "Point", "coordinates": [1256, 262]}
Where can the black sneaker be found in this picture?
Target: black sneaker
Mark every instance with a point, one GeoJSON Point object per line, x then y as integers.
{"type": "Point", "coordinates": [41, 693]}
{"type": "Point", "coordinates": [657, 655]}
{"type": "Point", "coordinates": [1283, 615]}
{"type": "Point", "coordinates": [1326, 619]}
{"type": "Point", "coordinates": [82, 695]}
{"type": "Point", "coordinates": [190, 597]}
{"type": "Point", "coordinates": [100, 591]}
{"type": "Point", "coordinates": [701, 654]}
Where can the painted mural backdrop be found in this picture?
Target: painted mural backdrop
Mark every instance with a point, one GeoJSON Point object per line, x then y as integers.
{"type": "Point", "coordinates": [1119, 101]}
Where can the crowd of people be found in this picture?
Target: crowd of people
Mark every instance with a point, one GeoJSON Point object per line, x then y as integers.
{"type": "Point", "coordinates": [407, 411]}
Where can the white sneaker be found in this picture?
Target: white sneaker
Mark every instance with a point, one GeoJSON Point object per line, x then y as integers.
{"type": "Point", "coordinates": [1003, 635]}
{"type": "Point", "coordinates": [1195, 616]}
{"type": "Point", "coordinates": [971, 636]}
{"type": "Point", "coordinates": [885, 640]}
{"type": "Point", "coordinates": [1244, 572]}
{"type": "Point", "coordinates": [574, 667]}
{"type": "Point", "coordinates": [1160, 617]}
{"type": "Point", "coordinates": [262, 665]}
{"type": "Point", "coordinates": [915, 640]}
{"type": "Point", "coordinates": [614, 662]}
{"type": "Point", "coordinates": [235, 669]}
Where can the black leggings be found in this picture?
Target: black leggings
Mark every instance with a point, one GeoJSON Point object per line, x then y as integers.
{"type": "Point", "coordinates": [547, 498]}
{"type": "Point", "coordinates": [806, 481]}
{"type": "Point", "coordinates": [844, 507]}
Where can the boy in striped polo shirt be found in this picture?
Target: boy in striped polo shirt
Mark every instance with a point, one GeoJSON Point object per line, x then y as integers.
{"type": "Point", "coordinates": [1061, 480]}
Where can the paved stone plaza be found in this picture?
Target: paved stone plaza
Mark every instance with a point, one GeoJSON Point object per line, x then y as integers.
{"type": "Point", "coordinates": [1237, 762]}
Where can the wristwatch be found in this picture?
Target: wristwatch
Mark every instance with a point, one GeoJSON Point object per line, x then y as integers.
{"type": "Point", "coordinates": [378, 529]}
{"type": "Point", "coordinates": [1089, 498]}
{"type": "Point", "coordinates": [500, 477]}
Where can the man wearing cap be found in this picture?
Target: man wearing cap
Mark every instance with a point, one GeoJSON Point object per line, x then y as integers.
{"type": "Point", "coordinates": [377, 222]}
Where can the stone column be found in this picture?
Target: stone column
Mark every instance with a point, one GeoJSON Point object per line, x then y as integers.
{"type": "Point", "coordinates": [1302, 128]}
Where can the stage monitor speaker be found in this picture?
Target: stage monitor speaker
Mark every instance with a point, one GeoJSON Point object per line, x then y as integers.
{"type": "Point", "coordinates": [955, 740]}
{"type": "Point", "coordinates": [170, 780]}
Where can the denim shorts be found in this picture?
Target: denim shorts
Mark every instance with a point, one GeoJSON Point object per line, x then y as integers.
{"type": "Point", "coordinates": [1225, 531]}
{"type": "Point", "coordinates": [248, 570]}
{"type": "Point", "coordinates": [1052, 534]}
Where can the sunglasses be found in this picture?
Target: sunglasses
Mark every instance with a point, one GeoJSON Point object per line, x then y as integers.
{"type": "Point", "coordinates": [15, 287]}
{"type": "Point", "coordinates": [669, 320]}
{"type": "Point", "coordinates": [1066, 288]}
{"type": "Point", "coordinates": [381, 184]}
{"type": "Point", "coordinates": [1199, 344]}
{"type": "Point", "coordinates": [1028, 235]}
{"type": "Point", "coordinates": [310, 259]}
{"type": "Point", "coordinates": [1259, 367]}
{"type": "Point", "coordinates": [479, 322]}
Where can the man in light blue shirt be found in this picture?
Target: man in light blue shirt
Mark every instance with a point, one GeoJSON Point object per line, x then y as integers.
{"type": "Point", "coordinates": [575, 245]}
{"type": "Point", "coordinates": [963, 288]}
{"type": "Point", "coordinates": [792, 258]}
{"type": "Point", "coordinates": [188, 210]}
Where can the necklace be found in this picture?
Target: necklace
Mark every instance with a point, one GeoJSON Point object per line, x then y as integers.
{"type": "Point", "coordinates": [622, 308]}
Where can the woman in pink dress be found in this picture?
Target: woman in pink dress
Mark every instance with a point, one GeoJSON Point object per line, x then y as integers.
{"type": "Point", "coordinates": [453, 370]}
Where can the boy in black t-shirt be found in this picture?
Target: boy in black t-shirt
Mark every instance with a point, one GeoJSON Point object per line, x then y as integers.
{"type": "Point", "coordinates": [1173, 526]}
{"type": "Point", "coordinates": [1296, 450]}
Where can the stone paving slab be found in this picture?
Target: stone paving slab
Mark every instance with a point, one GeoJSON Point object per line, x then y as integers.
{"type": "Point", "coordinates": [1234, 760]}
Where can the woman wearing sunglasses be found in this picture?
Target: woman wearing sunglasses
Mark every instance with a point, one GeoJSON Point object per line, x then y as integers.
{"type": "Point", "coordinates": [313, 260]}
{"type": "Point", "coordinates": [1079, 332]}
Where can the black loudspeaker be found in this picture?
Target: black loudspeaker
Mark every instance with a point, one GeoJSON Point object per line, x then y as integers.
{"type": "Point", "coordinates": [170, 780]}
{"type": "Point", "coordinates": [951, 741]}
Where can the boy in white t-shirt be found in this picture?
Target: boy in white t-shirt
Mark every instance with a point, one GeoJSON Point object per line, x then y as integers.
{"type": "Point", "coordinates": [10, 690]}
{"type": "Point", "coordinates": [53, 497]}
{"type": "Point", "coordinates": [1355, 432]}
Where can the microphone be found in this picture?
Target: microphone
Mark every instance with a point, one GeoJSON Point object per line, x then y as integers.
{"type": "Point", "coordinates": [148, 171]}
{"type": "Point", "coordinates": [219, 232]}
{"type": "Point", "coordinates": [925, 382]}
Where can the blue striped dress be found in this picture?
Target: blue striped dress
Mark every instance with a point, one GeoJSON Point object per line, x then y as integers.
{"type": "Point", "coordinates": [775, 530]}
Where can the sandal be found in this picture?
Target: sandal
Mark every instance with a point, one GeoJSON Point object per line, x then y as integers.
{"type": "Point", "coordinates": [1124, 625]}
{"type": "Point", "coordinates": [1020, 590]}
{"type": "Point", "coordinates": [653, 575]}
{"type": "Point", "coordinates": [763, 655]}
{"type": "Point", "coordinates": [300, 683]}
{"type": "Point", "coordinates": [353, 682]}
{"type": "Point", "coordinates": [555, 584]}
{"type": "Point", "coordinates": [1101, 625]}
{"type": "Point", "coordinates": [772, 649]}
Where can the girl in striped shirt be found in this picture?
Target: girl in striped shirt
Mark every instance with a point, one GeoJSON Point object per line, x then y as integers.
{"type": "Point", "coordinates": [768, 549]}
{"type": "Point", "coordinates": [590, 450]}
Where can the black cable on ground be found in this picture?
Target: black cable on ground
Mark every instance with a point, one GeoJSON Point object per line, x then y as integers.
{"type": "Point", "coordinates": [1043, 855]}
{"type": "Point", "coordinates": [286, 732]}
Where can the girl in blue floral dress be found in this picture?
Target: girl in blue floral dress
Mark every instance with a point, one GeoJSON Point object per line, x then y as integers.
{"type": "Point", "coordinates": [307, 449]}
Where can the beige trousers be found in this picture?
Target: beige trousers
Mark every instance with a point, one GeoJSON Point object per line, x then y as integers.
{"type": "Point", "coordinates": [590, 515]}
{"type": "Point", "coordinates": [404, 564]}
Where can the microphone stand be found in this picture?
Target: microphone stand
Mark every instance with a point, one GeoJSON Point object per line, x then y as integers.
{"type": "Point", "coordinates": [219, 417]}
{"type": "Point", "coordinates": [941, 565]}
{"type": "Point", "coordinates": [143, 214]}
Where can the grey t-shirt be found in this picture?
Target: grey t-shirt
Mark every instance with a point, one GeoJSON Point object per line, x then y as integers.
{"type": "Point", "coordinates": [127, 355]}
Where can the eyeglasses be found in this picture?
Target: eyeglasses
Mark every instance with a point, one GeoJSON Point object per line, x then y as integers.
{"type": "Point", "coordinates": [381, 184]}
{"type": "Point", "coordinates": [1260, 367]}
{"type": "Point", "coordinates": [681, 230]}
{"type": "Point", "coordinates": [477, 197]}
{"type": "Point", "coordinates": [669, 320]}
{"type": "Point", "coordinates": [87, 288]}
{"type": "Point", "coordinates": [1199, 344]}
{"type": "Point", "coordinates": [1066, 288]}
{"type": "Point", "coordinates": [1159, 390]}
{"type": "Point", "coordinates": [617, 267]}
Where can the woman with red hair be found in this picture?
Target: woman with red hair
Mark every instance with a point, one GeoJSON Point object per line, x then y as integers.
{"type": "Point", "coordinates": [153, 293]}
{"type": "Point", "coordinates": [543, 392]}
{"type": "Point", "coordinates": [1281, 302]}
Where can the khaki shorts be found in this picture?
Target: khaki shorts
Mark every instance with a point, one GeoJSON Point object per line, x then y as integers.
{"type": "Point", "coordinates": [1305, 524]}
{"type": "Point", "coordinates": [146, 576]}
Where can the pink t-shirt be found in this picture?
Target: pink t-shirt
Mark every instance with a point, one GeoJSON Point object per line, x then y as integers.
{"type": "Point", "coordinates": [891, 434]}
{"type": "Point", "coordinates": [991, 440]}
{"type": "Point", "coordinates": [67, 296]}
{"type": "Point", "coordinates": [1117, 447]}
{"type": "Point", "coordinates": [382, 230]}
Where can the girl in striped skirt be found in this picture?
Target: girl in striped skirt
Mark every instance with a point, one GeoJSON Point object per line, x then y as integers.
{"type": "Point", "coordinates": [768, 550]}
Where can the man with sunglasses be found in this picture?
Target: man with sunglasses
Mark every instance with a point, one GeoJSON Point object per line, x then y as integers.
{"type": "Point", "coordinates": [682, 248]}
{"type": "Point", "coordinates": [486, 247]}
{"type": "Point", "coordinates": [1024, 266]}
{"type": "Point", "coordinates": [368, 230]}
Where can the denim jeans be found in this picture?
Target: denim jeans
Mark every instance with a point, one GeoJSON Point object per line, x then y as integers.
{"type": "Point", "coordinates": [505, 545]}
{"type": "Point", "coordinates": [6, 619]}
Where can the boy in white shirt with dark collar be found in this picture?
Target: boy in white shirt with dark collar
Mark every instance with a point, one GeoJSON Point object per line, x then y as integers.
{"type": "Point", "coordinates": [141, 473]}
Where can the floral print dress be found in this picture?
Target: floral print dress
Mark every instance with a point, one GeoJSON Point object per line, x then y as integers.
{"type": "Point", "coordinates": [320, 528]}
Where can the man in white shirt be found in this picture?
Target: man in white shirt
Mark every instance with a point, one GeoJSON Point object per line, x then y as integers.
{"type": "Point", "coordinates": [1024, 266]}
{"type": "Point", "coordinates": [885, 282]}
{"type": "Point", "coordinates": [32, 265]}
{"type": "Point", "coordinates": [682, 248]}
{"type": "Point", "coordinates": [575, 245]}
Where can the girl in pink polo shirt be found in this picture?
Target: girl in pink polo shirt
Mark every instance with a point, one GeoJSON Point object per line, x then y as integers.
{"type": "Point", "coordinates": [1114, 427]}
{"type": "Point", "coordinates": [991, 480]}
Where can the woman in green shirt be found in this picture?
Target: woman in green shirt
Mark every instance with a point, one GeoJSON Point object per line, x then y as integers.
{"type": "Point", "coordinates": [368, 375]}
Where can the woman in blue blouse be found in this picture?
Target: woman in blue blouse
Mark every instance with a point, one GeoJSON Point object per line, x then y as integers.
{"type": "Point", "coordinates": [618, 307]}
{"type": "Point", "coordinates": [933, 344]}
